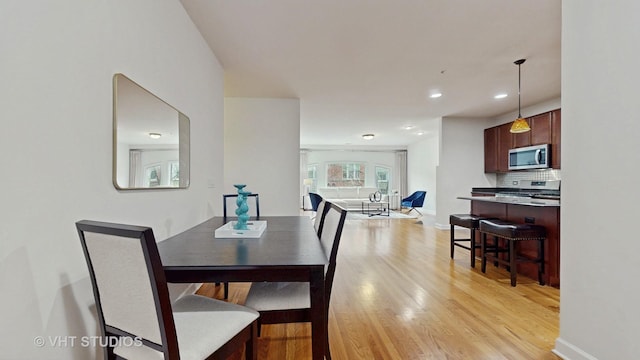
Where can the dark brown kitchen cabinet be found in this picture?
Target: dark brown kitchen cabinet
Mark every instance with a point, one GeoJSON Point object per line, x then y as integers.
{"type": "Point", "coordinates": [555, 139]}
{"type": "Point", "coordinates": [505, 142]}
{"type": "Point", "coordinates": [491, 150]}
{"type": "Point", "coordinates": [522, 139]}
{"type": "Point", "coordinates": [540, 129]}
{"type": "Point", "coordinates": [498, 140]}
{"type": "Point", "coordinates": [549, 217]}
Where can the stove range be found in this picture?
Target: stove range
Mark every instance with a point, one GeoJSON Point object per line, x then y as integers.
{"type": "Point", "coordinates": [541, 189]}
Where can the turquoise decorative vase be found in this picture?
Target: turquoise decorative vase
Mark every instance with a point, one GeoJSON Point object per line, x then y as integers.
{"type": "Point", "coordinates": [243, 209]}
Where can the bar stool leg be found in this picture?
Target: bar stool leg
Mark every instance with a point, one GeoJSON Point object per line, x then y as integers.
{"type": "Point", "coordinates": [483, 252]}
{"type": "Point", "coordinates": [512, 261]}
{"type": "Point", "coordinates": [541, 261]}
{"type": "Point", "coordinates": [496, 250]}
{"type": "Point", "coordinates": [451, 239]}
{"type": "Point", "coordinates": [472, 247]}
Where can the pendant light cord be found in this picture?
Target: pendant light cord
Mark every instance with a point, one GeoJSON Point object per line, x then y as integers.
{"type": "Point", "coordinates": [519, 77]}
{"type": "Point", "coordinates": [519, 62]}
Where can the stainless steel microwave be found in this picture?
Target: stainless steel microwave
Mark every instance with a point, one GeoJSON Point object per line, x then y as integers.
{"type": "Point", "coordinates": [530, 157]}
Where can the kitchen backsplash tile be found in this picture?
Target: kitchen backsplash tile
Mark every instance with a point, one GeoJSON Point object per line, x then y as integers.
{"type": "Point", "coordinates": [508, 179]}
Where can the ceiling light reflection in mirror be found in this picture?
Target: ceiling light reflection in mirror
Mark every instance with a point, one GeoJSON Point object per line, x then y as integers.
{"type": "Point", "coordinates": [150, 139]}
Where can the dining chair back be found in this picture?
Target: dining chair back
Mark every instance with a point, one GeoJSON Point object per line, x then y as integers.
{"type": "Point", "coordinates": [254, 211]}
{"type": "Point", "coordinates": [254, 206]}
{"type": "Point", "coordinates": [330, 236]}
{"type": "Point", "coordinates": [135, 313]}
{"type": "Point", "coordinates": [318, 220]}
{"type": "Point", "coordinates": [280, 302]}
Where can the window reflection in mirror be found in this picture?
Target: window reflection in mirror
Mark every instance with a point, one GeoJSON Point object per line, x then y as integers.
{"type": "Point", "coordinates": [150, 139]}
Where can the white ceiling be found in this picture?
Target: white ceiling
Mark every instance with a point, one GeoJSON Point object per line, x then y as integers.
{"type": "Point", "coordinates": [369, 66]}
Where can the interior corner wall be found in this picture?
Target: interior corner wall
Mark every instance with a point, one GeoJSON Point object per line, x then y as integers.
{"type": "Point", "coordinates": [599, 252]}
{"type": "Point", "coordinates": [58, 61]}
{"type": "Point", "coordinates": [422, 161]}
{"type": "Point", "coordinates": [532, 110]}
{"type": "Point", "coordinates": [461, 166]}
{"type": "Point", "coordinates": [262, 150]}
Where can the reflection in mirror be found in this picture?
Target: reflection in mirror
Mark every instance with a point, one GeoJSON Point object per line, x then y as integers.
{"type": "Point", "coordinates": [150, 139]}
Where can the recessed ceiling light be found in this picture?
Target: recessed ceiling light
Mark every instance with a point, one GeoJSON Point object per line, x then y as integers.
{"type": "Point", "coordinates": [155, 135]}
{"type": "Point", "coordinates": [408, 127]}
{"type": "Point", "coordinates": [368, 136]}
{"type": "Point", "coordinates": [420, 133]}
{"type": "Point", "coordinates": [500, 96]}
{"type": "Point", "coordinates": [435, 95]}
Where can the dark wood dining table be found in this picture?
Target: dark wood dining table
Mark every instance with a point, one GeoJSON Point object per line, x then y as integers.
{"type": "Point", "coordinates": [288, 250]}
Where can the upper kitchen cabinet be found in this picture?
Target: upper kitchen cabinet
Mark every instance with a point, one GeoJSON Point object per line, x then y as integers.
{"type": "Point", "coordinates": [498, 140]}
{"type": "Point", "coordinates": [491, 150]}
{"type": "Point", "coordinates": [555, 138]}
{"type": "Point", "coordinates": [540, 131]}
{"type": "Point", "coordinates": [505, 142]}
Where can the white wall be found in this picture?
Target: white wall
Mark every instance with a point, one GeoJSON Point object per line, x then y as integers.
{"type": "Point", "coordinates": [57, 63]}
{"type": "Point", "coordinates": [461, 166]}
{"type": "Point", "coordinates": [422, 161]}
{"type": "Point", "coordinates": [600, 155]}
{"type": "Point", "coordinates": [262, 150]}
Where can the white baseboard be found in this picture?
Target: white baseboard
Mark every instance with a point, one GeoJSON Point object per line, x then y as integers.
{"type": "Point", "coordinates": [442, 226]}
{"type": "Point", "coordinates": [568, 351]}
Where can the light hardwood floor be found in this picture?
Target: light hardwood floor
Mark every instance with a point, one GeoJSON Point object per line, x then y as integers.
{"type": "Point", "coordinates": [398, 295]}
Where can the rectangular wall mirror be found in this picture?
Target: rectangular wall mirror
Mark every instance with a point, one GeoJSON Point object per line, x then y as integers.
{"type": "Point", "coordinates": [150, 140]}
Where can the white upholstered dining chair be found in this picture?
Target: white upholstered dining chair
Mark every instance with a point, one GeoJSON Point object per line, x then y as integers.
{"type": "Point", "coordinates": [319, 218]}
{"type": "Point", "coordinates": [133, 305]}
{"type": "Point", "coordinates": [288, 302]}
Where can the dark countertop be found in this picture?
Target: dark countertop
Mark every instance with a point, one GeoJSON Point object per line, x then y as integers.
{"type": "Point", "coordinates": [514, 200]}
{"type": "Point", "coordinates": [535, 193]}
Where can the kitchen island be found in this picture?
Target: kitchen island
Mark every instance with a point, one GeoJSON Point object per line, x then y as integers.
{"type": "Point", "coordinates": [517, 209]}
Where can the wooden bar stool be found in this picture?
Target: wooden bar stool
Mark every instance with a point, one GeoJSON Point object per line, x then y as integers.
{"type": "Point", "coordinates": [511, 233]}
{"type": "Point", "coordinates": [471, 222]}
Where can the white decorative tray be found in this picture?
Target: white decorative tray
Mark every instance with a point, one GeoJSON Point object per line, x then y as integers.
{"type": "Point", "coordinates": [255, 230]}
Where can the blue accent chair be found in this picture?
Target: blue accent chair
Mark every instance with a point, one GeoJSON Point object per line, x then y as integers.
{"type": "Point", "coordinates": [414, 201]}
{"type": "Point", "coordinates": [315, 200]}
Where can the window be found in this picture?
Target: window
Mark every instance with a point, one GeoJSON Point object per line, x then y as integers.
{"type": "Point", "coordinates": [383, 175]}
{"type": "Point", "coordinates": [174, 173]}
{"type": "Point", "coordinates": [312, 173]}
{"type": "Point", "coordinates": [345, 174]}
{"type": "Point", "coordinates": [152, 175]}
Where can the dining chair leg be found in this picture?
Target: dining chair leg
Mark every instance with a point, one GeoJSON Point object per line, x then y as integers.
{"type": "Point", "coordinates": [327, 353]}
{"type": "Point", "coordinates": [251, 347]}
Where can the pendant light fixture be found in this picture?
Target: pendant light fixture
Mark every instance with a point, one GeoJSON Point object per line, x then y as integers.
{"type": "Point", "coordinates": [520, 124]}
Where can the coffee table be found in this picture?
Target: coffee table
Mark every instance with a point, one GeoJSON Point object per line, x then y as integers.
{"type": "Point", "coordinates": [372, 208]}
